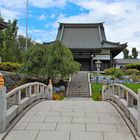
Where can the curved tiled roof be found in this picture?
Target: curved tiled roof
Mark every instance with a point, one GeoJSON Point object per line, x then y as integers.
{"type": "Point", "coordinates": [3, 25]}
{"type": "Point", "coordinates": [85, 36]}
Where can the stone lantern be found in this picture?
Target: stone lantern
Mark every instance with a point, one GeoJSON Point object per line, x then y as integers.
{"type": "Point", "coordinates": [98, 66]}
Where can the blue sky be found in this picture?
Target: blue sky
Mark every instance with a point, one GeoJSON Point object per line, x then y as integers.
{"type": "Point", "coordinates": [121, 17]}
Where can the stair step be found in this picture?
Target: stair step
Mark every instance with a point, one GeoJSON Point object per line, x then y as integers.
{"type": "Point", "coordinates": [79, 85]}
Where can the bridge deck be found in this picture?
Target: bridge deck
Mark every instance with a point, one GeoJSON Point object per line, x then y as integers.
{"type": "Point", "coordinates": [71, 120]}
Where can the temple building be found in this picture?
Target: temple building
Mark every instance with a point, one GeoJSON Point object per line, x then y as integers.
{"type": "Point", "coordinates": [3, 25]}
{"type": "Point", "coordinates": [88, 43]}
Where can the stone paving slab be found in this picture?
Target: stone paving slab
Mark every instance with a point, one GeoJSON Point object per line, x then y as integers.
{"type": "Point", "coordinates": [101, 127]}
{"type": "Point", "coordinates": [59, 119]}
{"type": "Point", "coordinates": [41, 126]}
{"type": "Point", "coordinates": [71, 120]}
{"type": "Point", "coordinates": [118, 136]}
{"type": "Point", "coordinates": [22, 135]}
{"type": "Point", "coordinates": [71, 126]}
{"type": "Point", "coordinates": [53, 135]}
{"type": "Point", "coordinates": [86, 136]}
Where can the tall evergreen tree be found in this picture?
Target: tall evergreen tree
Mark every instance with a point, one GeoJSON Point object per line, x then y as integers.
{"type": "Point", "coordinates": [134, 53]}
{"type": "Point", "coordinates": [125, 54]}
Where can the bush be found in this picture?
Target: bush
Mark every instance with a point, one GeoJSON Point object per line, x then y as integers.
{"type": "Point", "coordinates": [118, 73]}
{"type": "Point", "coordinates": [9, 66]}
{"type": "Point", "coordinates": [133, 66]}
{"type": "Point", "coordinates": [111, 71]}
{"type": "Point", "coordinates": [131, 71]}
{"type": "Point", "coordinates": [135, 78]}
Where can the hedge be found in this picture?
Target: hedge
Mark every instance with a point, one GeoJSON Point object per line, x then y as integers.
{"type": "Point", "coordinates": [9, 66]}
{"type": "Point", "coordinates": [133, 66]}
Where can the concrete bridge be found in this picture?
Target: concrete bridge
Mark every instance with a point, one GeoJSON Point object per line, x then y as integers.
{"type": "Point", "coordinates": [28, 113]}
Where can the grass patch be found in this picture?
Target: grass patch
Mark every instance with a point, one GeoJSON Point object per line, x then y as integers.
{"type": "Point", "coordinates": [96, 91]}
{"type": "Point", "coordinates": [133, 87]}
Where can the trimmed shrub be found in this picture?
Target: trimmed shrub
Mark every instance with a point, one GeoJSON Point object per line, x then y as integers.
{"type": "Point", "coordinates": [111, 70]}
{"type": "Point", "coordinates": [133, 66]}
{"type": "Point", "coordinates": [118, 73]}
{"type": "Point", "coordinates": [135, 78]}
{"type": "Point", "coordinates": [9, 66]}
{"type": "Point", "coordinates": [132, 71]}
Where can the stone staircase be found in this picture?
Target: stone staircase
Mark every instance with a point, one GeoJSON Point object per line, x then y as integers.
{"type": "Point", "coordinates": [79, 86]}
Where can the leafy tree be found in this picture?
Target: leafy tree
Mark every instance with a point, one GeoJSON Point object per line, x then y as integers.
{"type": "Point", "coordinates": [12, 46]}
{"type": "Point", "coordinates": [125, 54]}
{"type": "Point", "coordinates": [34, 61]}
{"type": "Point", "coordinates": [9, 42]}
{"type": "Point", "coordinates": [60, 61]}
{"type": "Point", "coordinates": [134, 53]}
{"type": "Point", "coordinates": [54, 61]}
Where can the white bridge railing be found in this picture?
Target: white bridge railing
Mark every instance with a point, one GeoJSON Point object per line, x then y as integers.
{"type": "Point", "coordinates": [15, 101]}
{"type": "Point", "coordinates": [126, 99]}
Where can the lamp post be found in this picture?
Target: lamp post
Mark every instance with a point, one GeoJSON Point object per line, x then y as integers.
{"type": "Point", "coordinates": [92, 62]}
{"type": "Point", "coordinates": [26, 24]}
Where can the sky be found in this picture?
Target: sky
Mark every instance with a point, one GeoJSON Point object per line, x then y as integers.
{"type": "Point", "coordinates": [121, 17]}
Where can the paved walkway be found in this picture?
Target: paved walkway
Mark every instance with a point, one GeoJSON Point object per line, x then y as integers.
{"type": "Point", "coordinates": [71, 120]}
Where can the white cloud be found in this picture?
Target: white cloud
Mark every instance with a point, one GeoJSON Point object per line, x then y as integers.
{"type": "Point", "coordinates": [121, 19]}
{"type": "Point", "coordinates": [12, 9]}
{"type": "Point", "coordinates": [48, 3]}
{"type": "Point", "coordinates": [42, 17]}
{"type": "Point", "coordinates": [42, 35]}
{"type": "Point", "coordinates": [12, 4]}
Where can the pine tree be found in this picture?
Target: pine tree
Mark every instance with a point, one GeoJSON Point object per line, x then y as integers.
{"type": "Point", "coordinates": [125, 54]}
{"type": "Point", "coordinates": [134, 53]}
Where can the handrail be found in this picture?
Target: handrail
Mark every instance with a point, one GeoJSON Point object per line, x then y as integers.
{"type": "Point", "coordinates": [10, 93]}
{"type": "Point", "coordinates": [15, 101]}
{"type": "Point", "coordinates": [127, 89]}
{"type": "Point", "coordinates": [126, 99]}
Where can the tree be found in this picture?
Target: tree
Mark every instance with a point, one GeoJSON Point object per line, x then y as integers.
{"type": "Point", "coordinates": [60, 61]}
{"type": "Point", "coordinates": [34, 62]}
{"type": "Point", "coordinates": [12, 45]}
{"type": "Point", "coordinates": [8, 46]}
{"type": "Point", "coordinates": [125, 54]}
{"type": "Point", "coordinates": [55, 61]}
{"type": "Point", "coordinates": [134, 53]}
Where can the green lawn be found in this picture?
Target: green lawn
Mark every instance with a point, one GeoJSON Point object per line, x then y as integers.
{"type": "Point", "coordinates": [96, 91]}
{"type": "Point", "coordinates": [134, 87]}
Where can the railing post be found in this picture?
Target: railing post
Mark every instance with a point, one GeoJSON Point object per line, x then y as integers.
{"type": "Point", "coordinates": [28, 91]}
{"type": "Point", "coordinates": [119, 91]}
{"type": "Point", "coordinates": [138, 109]}
{"type": "Point", "coordinates": [129, 100]}
{"type": "Point", "coordinates": [104, 93]}
{"type": "Point", "coordinates": [113, 89]}
{"type": "Point", "coordinates": [37, 88]}
{"type": "Point", "coordinates": [50, 90]}
{"type": "Point", "coordinates": [121, 95]}
{"type": "Point", "coordinates": [3, 109]}
{"type": "Point", "coordinates": [18, 97]}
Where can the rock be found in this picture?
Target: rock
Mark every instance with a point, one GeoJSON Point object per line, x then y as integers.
{"type": "Point", "coordinates": [62, 88]}
{"type": "Point", "coordinates": [56, 89]}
